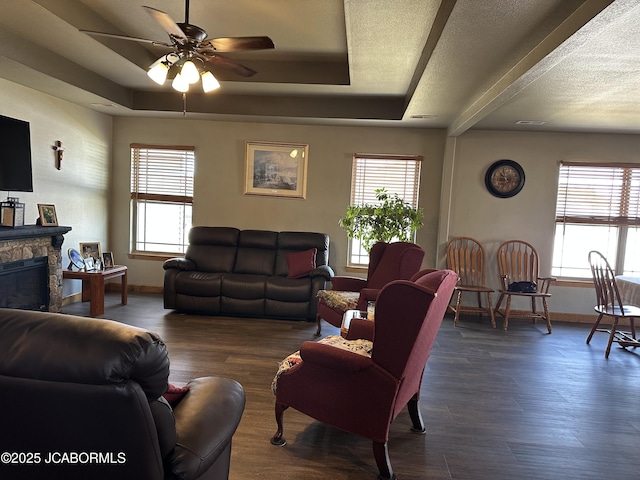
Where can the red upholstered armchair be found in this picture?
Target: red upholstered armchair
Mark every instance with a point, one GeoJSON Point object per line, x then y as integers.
{"type": "Point", "coordinates": [362, 389]}
{"type": "Point", "coordinates": [387, 262]}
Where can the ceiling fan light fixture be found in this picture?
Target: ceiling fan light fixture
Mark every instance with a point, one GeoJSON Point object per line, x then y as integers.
{"type": "Point", "coordinates": [158, 73]}
{"type": "Point", "coordinates": [190, 72]}
{"type": "Point", "coordinates": [209, 82]}
{"type": "Point", "coordinates": [180, 84]}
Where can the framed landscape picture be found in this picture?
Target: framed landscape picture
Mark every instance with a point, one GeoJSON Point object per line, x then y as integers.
{"type": "Point", "coordinates": [276, 169]}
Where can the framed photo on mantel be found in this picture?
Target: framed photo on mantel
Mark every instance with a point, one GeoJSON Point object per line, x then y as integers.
{"type": "Point", "coordinates": [48, 217]}
{"type": "Point", "coordinates": [276, 169]}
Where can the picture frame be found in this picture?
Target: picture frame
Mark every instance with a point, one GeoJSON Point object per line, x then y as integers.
{"type": "Point", "coordinates": [75, 259]}
{"type": "Point", "coordinates": [88, 264]}
{"type": "Point", "coordinates": [90, 250]}
{"type": "Point", "coordinates": [107, 259]}
{"type": "Point", "coordinates": [48, 216]}
{"type": "Point", "coordinates": [276, 169]}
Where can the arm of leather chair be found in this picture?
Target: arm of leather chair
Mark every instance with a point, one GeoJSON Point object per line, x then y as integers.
{"type": "Point", "coordinates": [179, 263]}
{"type": "Point", "coordinates": [334, 358]}
{"type": "Point", "coordinates": [322, 271]}
{"type": "Point", "coordinates": [206, 419]}
{"type": "Point", "coordinates": [348, 284]}
{"type": "Point", "coordinates": [360, 328]}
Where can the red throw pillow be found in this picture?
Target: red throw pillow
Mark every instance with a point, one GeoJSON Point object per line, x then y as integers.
{"type": "Point", "coordinates": [174, 394]}
{"type": "Point", "coordinates": [301, 263]}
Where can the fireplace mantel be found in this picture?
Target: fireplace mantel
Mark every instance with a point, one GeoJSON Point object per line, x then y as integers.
{"type": "Point", "coordinates": [34, 231]}
{"type": "Point", "coordinates": [30, 241]}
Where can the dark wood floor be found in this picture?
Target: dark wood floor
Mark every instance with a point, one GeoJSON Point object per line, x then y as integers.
{"type": "Point", "coordinates": [497, 405]}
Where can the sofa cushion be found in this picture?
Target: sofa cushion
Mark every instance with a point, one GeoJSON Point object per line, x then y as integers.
{"type": "Point", "coordinates": [213, 249]}
{"type": "Point", "coordinates": [301, 263]}
{"type": "Point", "coordinates": [256, 261]}
{"type": "Point", "coordinates": [256, 252]}
{"type": "Point", "coordinates": [288, 289]}
{"type": "Point", "coordinates": [243, 286]}
{"type": "Point", "coordinates": [199, 284]}
{"type": "Point", "coordinates": [212, 258]}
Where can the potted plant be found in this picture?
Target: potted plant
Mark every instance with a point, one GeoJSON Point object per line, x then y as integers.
{"type": "Point", "coordinates": [391, 219]}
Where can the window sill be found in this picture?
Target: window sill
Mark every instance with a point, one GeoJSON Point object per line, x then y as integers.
{"type": "Point", "coordinates": [154, 256]}
{"type": "Point", "coordinates": [356, 268]}
{"type": "Point", "coordinates": [567, 282]}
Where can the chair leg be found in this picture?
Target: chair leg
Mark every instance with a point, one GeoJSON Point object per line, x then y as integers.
{"type": "Point", "coordinates": [497, 309]}
{"type": "Point", "coordinates": [319, 325]}
{"type": "Point", "coordinates": [546, 314]}
{"type": "Point", "coordinates": [594, 328]}
{"type": "Point", "coordinates": [277, 439]}
{"type": "Point", "coordinates": [633, 327]}
{"type": "Point", "coordinates": [381, 454]}
{"type": "Point", "coordinates": [611, 336]}
{"type": "Point", "coordinates": [457, 314]}
{"type": "Point", "coordinates": [491, 312]}
{"type": "Point", "coordinates": [416, 418]}
{"type": "Point", "coordinates": [507, 309]}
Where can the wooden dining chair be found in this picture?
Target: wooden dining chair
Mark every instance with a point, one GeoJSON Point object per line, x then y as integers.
{"type": "Point", "coordinates": [609, 303]}
{"type": "Point", "coordinates": [518, 267]}
{"type": "Point", "coordinates": [466, 257]}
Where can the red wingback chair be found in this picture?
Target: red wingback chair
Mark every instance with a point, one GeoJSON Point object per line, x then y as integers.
{"type": "Point", "coordinates": [387, 262]}
{"type": "Point", "coordinates": [361, 393]}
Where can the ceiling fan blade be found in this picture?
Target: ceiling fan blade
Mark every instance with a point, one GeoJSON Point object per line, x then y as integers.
{"type": "Point", "coordinates": [166, 22]}
{"type": "Point", "coordinates": [125, 37]}
{"type": "Point", "coordinates": [227, 64]}
{"type": "Point", "coordinates": [235, 44]}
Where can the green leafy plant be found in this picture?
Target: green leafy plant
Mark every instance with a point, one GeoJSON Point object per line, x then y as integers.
{"type": "Point", "coordinates": [391, 219]}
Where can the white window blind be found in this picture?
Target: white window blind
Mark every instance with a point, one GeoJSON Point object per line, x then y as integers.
{"type": "Point", "coordinates": [162, 197]}
{"type": "Point", "coordinates": [600, 195]}
{"type": "Point", "coordinates": [598, 208]}
{"type": "Point", "coordinates": [162, 173]}
{"type": "Point", "coordinates": [397, 174]}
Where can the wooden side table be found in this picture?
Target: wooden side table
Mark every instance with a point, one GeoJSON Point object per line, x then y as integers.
{"type": "Point", "coordinates": [93, 285]}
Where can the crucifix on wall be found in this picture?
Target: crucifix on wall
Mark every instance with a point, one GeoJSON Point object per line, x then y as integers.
{"type": "Point", "coordinates": [59, 149]}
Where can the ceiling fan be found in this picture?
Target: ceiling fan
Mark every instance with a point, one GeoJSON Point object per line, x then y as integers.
{"type": "Point", "coordinates": [192, 52]}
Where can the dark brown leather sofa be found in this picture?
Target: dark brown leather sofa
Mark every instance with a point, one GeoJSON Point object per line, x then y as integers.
{"type": "Point", "coordinates": [227, 271]}
{"type": "Point", "coordinates": [82, 399]}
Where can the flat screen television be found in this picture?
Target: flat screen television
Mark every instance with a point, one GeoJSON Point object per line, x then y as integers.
{"type": "Point", "coordinates": [15, 155]}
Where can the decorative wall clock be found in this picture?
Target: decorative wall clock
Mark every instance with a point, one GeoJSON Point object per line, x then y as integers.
{"type": "Point", "coordinates": [504, 178]}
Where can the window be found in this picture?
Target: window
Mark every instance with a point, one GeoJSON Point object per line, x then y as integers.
{"type": "Point", "coordinates": [161, 197]}
{"type": "Point", "coordinates": [397, 174]}
{"type": "Point", "coordinates": [598, 208]}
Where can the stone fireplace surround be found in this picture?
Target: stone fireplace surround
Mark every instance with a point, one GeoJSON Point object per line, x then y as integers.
{"type": "Point", "coordinates": [34, 241]}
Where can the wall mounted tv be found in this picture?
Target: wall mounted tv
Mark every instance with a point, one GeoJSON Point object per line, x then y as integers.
{"type": "Point", "coordinates": [15, 155]}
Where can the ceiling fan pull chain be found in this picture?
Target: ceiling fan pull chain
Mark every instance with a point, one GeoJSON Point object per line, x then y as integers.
{"type": "Point", "coordinates": [184, 104]}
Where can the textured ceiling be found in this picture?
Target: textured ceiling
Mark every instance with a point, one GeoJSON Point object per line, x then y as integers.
{"type": "Point", "coordinates": [459, 65]}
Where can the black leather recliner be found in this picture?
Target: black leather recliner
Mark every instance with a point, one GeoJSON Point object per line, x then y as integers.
{"type": "Point", "coordinates": [82, 399]}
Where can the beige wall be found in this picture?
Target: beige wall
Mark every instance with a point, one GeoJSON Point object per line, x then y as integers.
{"type": "Point", "coordinates": [80, 189]}
{"type": "Point", "coordinates": [468, 209]}
{"type": "Point", "coordinates": [91, 192]}
{"type": "Point", "coordinates": [219, 185]}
